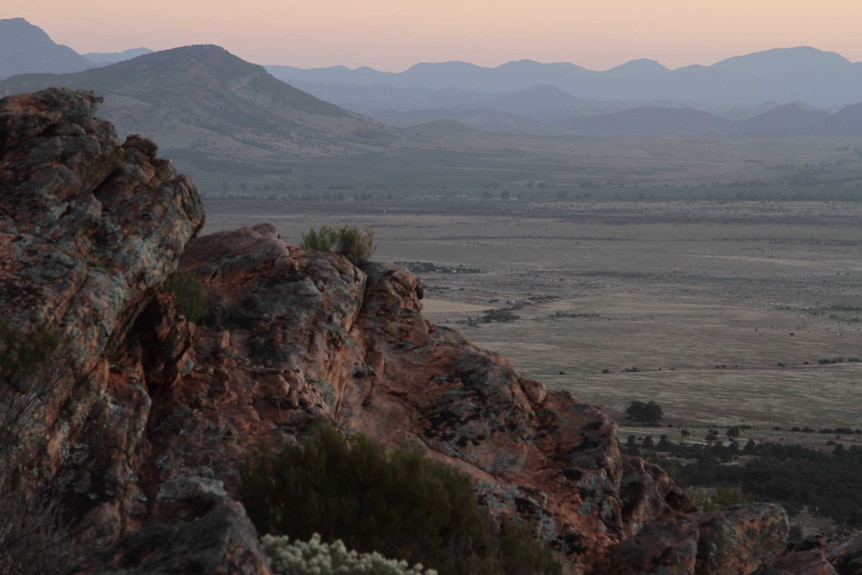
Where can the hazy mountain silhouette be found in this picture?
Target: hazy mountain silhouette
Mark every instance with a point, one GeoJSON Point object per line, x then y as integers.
{"type": "Point", "coordinates": [655, 121]}
{"type": "Point", "coordinates": [847, 121]}
{"type": "Point", "coordinates": [114, 57]}
{"type": "Point", "coordinates": [25, 48]}
{"type": "Point", "coordinates": [822, 79]}
{"type": "Point", "coordinates": [788, 120]}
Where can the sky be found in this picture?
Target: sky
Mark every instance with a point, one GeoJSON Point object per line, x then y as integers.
{"type": "Point", "coordinates": [392, 35]}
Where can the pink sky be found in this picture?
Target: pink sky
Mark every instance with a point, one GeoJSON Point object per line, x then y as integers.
{"type": "Point", "coordinates": [394, 34]}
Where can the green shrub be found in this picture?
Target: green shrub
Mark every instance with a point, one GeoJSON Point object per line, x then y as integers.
{"type": "Point", "coordinates": [648, 413]}
{"type": "Point", "coordinates": [397, 503]}
{"type": "Point", "coordinates": [354, 244]}
{"type": "Point", "coordinates": [21, 354]}
{"type": "Point", "coordinates": [190, 297]}
{"type": "Point", "coordinates": [324, 239]}
{"type": "Point", "coordinates": [301, 557]}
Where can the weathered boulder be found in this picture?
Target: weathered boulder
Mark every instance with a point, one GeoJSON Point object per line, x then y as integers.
{"type": "Point", "coordinates": [221, 541]}
{"type": "Point", "coordinates": [89, 230]}
{"type": "Point", "coordinates": [818, 556]}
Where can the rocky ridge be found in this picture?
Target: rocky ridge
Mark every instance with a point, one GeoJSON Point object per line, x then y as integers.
{"type": "Point", "coordinates": [140, 420]}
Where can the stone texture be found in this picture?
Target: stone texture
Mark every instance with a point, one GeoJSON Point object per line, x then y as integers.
{"type": "Point", "coordinates": [221, 541]}
{"type": "Point", "coordinates": [741, 539]}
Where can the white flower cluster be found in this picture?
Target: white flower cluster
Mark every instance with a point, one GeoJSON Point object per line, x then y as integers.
{"type": "Point", "coordinates": [316, 558]}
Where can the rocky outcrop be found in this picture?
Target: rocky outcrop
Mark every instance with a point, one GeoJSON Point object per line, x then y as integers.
{"type": "Point", "coordinates": [221, 541]}
{"type": "Point", "coordinates": [89, 230]}
{"type": "Point", "coordinates": [141, 419]}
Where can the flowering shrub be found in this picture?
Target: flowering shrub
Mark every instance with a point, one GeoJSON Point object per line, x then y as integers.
{"type": "Point", "coordinates": [307, 557]}
{"type": "Point", "coordinates": [394, 502]}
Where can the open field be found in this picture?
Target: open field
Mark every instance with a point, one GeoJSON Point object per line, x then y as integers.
{"type": "Point", "coordinates": [441, 161]}
{"type": "Point", "coordinates": [734, 313]}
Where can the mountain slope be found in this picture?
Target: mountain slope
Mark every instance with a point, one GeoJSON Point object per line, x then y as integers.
{"type": "Point", "coordinates": [25, 48]}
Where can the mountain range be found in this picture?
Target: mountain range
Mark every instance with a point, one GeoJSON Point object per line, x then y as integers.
{"type": "Point", "coordinates": [228, 108]}
{"type": "Point", "coordinates": [802, 74]}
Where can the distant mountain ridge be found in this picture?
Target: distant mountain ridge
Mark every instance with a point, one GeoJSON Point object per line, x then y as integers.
{"type": "Point", "coordinates": [784, 75]}
{"type": "Point", "coordinates": [114, 57]}
{"type": "Point", "coordinates": [562, 98]}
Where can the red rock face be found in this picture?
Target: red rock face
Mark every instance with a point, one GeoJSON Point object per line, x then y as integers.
{"type": "Point", "coordinates": [147, 417]}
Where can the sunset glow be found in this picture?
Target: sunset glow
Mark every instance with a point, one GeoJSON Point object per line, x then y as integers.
{"type": "Point", "coordinates": [394, 34]}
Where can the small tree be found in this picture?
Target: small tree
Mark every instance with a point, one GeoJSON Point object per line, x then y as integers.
{"type": "Point", "coordinates": [351, 242]}
{"type": "Point", "coordinates": [648, 413]}
{"type": "Point", "coordinates": [190, 295]}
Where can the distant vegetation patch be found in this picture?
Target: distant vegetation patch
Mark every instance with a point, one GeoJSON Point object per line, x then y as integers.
{"type": "Point", "coordinates": [827, 483]}
{"type": "Point", "coordinates": [649, 413]}
{"type": "Point", "coordinates": [432, 268]}
{"type": "Point", "coordinates": [574, 314]}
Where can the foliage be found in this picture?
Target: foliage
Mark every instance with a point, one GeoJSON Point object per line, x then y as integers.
{"type": "Point", "coordinates": [648, 413]}
{"type": "Point", "coordinates": [300, 558]}
{"type": "Point", "coordinates": [500, 315]}
{"type": "Point", "coordinates": [351, 242]}
{"type": "Point", "coordinates": [795, 476]}
{"type": "Point", "coordinates": [324, 239]}
{"type": "Point", "coordinates": [21, 354]}
{"type": "Point", "coordinates": [397, 503]}
{"type": "Point", "coordinates": [190, 297]}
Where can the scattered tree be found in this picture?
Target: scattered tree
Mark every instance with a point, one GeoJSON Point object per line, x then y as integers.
{"type": "Point", "coordinates": [649, 413]}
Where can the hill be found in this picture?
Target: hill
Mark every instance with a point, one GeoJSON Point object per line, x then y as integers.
{"type": "Point", "coordinates": [215, 113]}
{"type": "Point", "coordinates": [27, 49]}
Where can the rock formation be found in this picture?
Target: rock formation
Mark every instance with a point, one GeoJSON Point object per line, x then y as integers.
{"type": "Point", "coordinates": [141, 419]}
